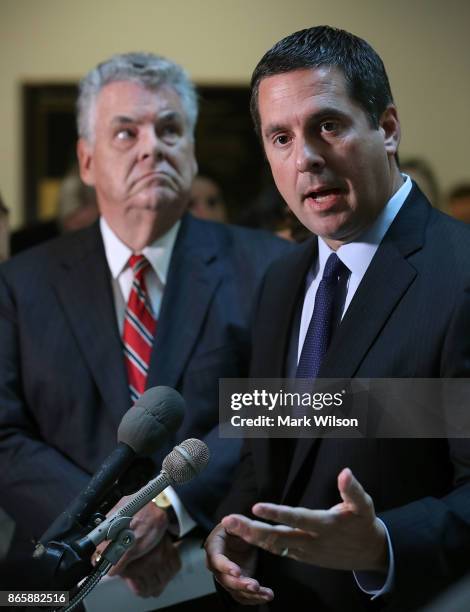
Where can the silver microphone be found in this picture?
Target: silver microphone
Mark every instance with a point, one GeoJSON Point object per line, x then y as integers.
{"type": "Point", "coordinates": [182, 464]}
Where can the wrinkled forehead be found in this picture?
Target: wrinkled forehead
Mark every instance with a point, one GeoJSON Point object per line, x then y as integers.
{"type": "Point", "coordinates": [131, 101]}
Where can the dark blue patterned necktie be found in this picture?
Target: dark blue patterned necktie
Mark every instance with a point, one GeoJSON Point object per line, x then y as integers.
{"type": "Point", "coordinates": [321, 324]}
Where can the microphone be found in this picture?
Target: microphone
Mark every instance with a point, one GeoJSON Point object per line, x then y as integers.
{"type": "Point", "coordinates": [182, 464]}
{"type": "Point", "coordinates": [144, 428]}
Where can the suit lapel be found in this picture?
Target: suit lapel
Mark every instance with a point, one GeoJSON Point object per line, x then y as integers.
{"type": "Point", "coordinates": [386, 281]}
{"type": "Point", "coordinates": [194, 274]}
{"type": "Point", "coordinates": [83, 286]}
{"type": "Point", "coordinates": [280, 300]}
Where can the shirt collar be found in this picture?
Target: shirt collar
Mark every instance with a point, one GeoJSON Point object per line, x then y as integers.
{"type": "Point", "coordinates": [358, 254]}
{"type": "Point", "coordinates": [158, 253]}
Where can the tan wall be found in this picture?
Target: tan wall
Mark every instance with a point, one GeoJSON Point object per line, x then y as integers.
{"type": "Point", "coordinates": [425, 45]}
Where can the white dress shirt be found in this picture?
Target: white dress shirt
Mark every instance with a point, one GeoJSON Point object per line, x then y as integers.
{"type": "Point", "coordinates": [357, 257]}
{"type": "Point", "coordinates": [158, 255]}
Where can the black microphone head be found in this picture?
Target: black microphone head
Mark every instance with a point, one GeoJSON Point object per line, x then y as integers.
{"type": "Point", "coordinates": [186, 460]}
{"type": "Point", "coordinates": [149, 423]}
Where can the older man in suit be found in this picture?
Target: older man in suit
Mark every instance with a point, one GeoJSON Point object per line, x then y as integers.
{"type": "Point", "coordinates": [381, 291]}
{"type": "Point", "coordinates": [147, 296]}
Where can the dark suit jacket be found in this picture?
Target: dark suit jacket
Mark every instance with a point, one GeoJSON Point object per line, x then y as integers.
{"type": "Point", "coordinates": [410, 317]}
{"type": "Point", "coordinates": [63, 386]}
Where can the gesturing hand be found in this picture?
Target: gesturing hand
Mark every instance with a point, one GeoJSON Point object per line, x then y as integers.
{"type": "Point", "coordinates": [348, 536]}
{"type": "Point", "coordinates": [233, 562]}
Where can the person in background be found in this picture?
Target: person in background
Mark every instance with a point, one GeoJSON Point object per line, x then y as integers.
{"type": "Point", "coordinates": [270, 212]}
{"type": "Point", "coordinates": [206, 199]}
{"type": "Point", "coordinates": [77, 208]}
{"type": "Point", "coordinates": [421, 172]}
{"type": "Point", "coordinates": [77, 203]}
{"type": "Point", "coordinates": [458, 202]}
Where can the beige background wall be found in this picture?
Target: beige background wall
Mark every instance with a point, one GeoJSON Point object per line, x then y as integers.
{"type": "Point", "coordinates": [425, 45]}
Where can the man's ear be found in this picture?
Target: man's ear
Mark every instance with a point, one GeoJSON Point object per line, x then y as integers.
{"type": "Point", "coordinates": [85, 162]}
{"type": "Point", "coordinates": [390, 126]}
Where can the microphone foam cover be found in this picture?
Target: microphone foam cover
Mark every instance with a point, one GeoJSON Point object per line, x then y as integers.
{"type": "Point", "coordinates": [186, 460]}
{"type": "Point", "coordinates": [156, 415]}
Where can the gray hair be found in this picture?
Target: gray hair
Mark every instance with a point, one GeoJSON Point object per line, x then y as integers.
{"type": "Point", "coordinates": [149, 70]}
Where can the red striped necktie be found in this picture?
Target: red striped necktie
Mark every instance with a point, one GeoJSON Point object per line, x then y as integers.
{"type": "Point", "coordinates": [139, 329]}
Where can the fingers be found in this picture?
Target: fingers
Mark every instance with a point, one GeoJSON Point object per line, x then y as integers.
{"type": "Point", "coordinates": [264, 595]}
{"type": "Point", "coordinates": [232, 561]}
{"type": "Point", "coordinates": [96, 556]}
{"type": "Point", "coordinates": [149, 525]}
{"type": "Point", "coordinates": [297, 518]}
{"type": "Point", "coordinates": [355, 500]}
{"type": "Point", "coordinates": [216, 559]}
{"type": "Point", "coordinates": [245, 590]}
{"type": "Point", "coordinates": [243, 527]}
{"type": "Point", "coordinates": [353, 494]}
{"type": "Point", "coordinates": [100, 552]}
{"type": "Point", "coordinates": [274, 539]}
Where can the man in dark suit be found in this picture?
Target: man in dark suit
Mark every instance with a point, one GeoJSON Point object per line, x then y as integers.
{"type": "Point", "coordinates": [65, 381]}
{"type": "Point", "coordinates": [348, 524]}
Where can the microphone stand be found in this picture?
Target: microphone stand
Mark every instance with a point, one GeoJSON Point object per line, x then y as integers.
{"type": "Point", "coordinates": [122, 538]}
{"type": "Point", "coordinates": [64, 564]}
{"type": "Point", "coordinates": [183, 463]}
{"type": "Point", "coordinates": [116, 529]}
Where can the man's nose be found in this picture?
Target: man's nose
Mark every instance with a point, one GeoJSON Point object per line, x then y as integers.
{"type": "Point", "coordinates": [309, 157]}
{"type": "Point", "coordinates": [152, 145]}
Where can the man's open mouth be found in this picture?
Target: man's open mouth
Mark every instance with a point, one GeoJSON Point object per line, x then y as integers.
{"type": "Point", "coordinates": [322, 194]}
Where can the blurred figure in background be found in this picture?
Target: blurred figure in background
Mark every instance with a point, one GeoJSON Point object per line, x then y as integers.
{"type": "Point", "coordinates": [77, 206]}
{"type": "Point", "coordinates": [4, 232]}
{"type": "Point", "coordinates": [76, 209]}
{"type": "Point", "coordinates": [206, 199]}
{"type": "Point", "coordinates": [421, 173]}
{"type": "Point", "coordinates": [270, 212]}
{"type": "Point", "coordinates": [459, 202]}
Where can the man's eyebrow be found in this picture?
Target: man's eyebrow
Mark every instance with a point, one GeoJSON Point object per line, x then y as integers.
{"type": "Point", "coordinates": [326, 113]}
{"type": "Point", "coordinates": [165, 115]}
{"type": "Point", "coordinates": [170, 114]}
{"type": "Point", "coordinates": [122, 120]}
{"type": "Point", "coordinates": [314, 118]}
{"type": "Point", "coordinates": [273, 129]}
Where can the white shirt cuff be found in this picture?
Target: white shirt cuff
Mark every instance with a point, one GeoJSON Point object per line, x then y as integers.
{"type": "Point", "coordinates": [185, 522]}
{"type": "Point", "coordinates": [373, 583]}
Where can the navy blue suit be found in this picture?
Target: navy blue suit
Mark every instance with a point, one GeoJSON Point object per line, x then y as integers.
{"type": "Point", "coordinates": [409, 318]}
{"type": "Point", "coordinates": [63, 386]}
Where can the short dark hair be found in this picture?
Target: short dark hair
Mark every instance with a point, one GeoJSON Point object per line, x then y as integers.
{"type": "Point", "coordinates": [363, 70]}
